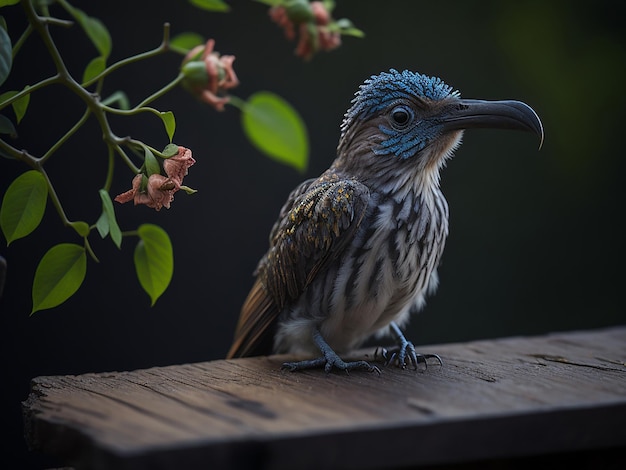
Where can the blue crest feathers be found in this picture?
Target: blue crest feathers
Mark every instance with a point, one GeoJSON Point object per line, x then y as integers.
{"type": "Point", "coordinates": [377, 91]}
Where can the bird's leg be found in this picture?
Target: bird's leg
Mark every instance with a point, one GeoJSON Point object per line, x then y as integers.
{"type": "Point", "coordinates": [403, 349]}
{"type": "Point", "coordinates": [328, 360]}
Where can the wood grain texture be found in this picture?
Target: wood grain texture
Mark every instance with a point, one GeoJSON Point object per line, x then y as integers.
{"type": "Point", "coordinates": [491, 399]}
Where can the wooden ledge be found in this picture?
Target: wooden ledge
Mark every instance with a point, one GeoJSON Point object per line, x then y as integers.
{"type": "Point", "coordinates": [492, 399]}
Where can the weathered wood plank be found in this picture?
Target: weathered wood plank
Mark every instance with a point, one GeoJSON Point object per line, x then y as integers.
{"type": "Point", "coordinates": [492, 399]}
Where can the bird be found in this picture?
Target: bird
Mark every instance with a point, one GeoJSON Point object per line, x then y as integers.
{"type": "Point", "coordinates": [354, 252]}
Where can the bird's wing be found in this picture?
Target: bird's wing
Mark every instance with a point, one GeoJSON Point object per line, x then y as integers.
{"type": "Point", "coordinates": [315, 225]}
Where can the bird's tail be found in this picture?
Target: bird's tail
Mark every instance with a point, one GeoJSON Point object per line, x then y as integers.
{"type": "Point", "coordinates": [255, 330]}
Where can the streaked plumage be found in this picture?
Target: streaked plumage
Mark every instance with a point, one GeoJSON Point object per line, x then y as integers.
{"type": "Point", "coordinates": [356, 250]}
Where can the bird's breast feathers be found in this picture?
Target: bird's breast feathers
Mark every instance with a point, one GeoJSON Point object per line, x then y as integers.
{"type": "Point", "coordinates": [383, 272]}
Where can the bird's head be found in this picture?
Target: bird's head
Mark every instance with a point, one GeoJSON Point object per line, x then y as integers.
{"type": "Point", "coordinates": [406, 119]}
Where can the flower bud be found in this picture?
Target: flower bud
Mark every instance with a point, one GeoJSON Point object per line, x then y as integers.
{"type": "Point", "coordinates": [208, 75]}
{"type": "Point", "coordinates": [299, 11]}
{"type": "Point", "coordinates": [195, 74]}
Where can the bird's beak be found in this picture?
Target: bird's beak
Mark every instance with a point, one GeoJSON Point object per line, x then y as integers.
{"type": "Point", "coordinates": [472, 114]}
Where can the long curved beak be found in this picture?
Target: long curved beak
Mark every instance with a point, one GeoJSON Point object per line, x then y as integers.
{"type": "Point", "coordinates": [505, 114]}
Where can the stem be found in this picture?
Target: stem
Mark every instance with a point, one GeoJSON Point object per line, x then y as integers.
{"type": "Point", "coordinates": [49, 20]}
{"type": "Point", "coordinates": [237, 102]}
{"type": "Point", "coordinates": [45, 82]}
{"type": "Point", "coordinates": [162, 91]}
{"type": "Point", "coordinates": [163, 47]}
{"type": "Point", "coordinates": [41, 26]}
{"type": "Point", "coordinates": [67, 135]}
{"type": "Point", "coordinates": [130, 112]}
{"type": "Point", "coordinates": [122, 63]}
{"type": "Point", "coordinates": [118, 148]}
{"type": "Point", "coordinates": [21, 155]}
{"type": "Point", "coordinates": [22, 39]}
{"type": "Point", "coordinates": [116, 97]}
{"type": "Point", "coordinates": [141, 107]}
{"type": "Point", "coordinates": [90, 251]}
{"type": "Point", "coordinates": [64, 77]}
{"type": "Point", "coordinates": [55, 198]}
{"type": "Point", "coordinates": [140, 147]}
{"type": "Point", "coordinates": [110, 167]}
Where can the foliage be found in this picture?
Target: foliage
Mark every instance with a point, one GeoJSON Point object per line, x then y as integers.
{"type": "Point", "coordinates": [272, 125]}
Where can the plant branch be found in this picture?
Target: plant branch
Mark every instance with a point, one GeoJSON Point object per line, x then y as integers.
{"type": "Point", "coordinates": [162, 91]}
{"type": "Point", "coordinates": [49, 20]}
{"type": "Point", "coordinates": [64, 77]}
{"type": "Point", "coordinates": [163, 47]}
{"type": "Point", "coordinates": [54, 198]}
{"type": "Point", "coordinates": [110, 167]}
{"type": "Point", "coordinates": [40, 24]}
{"type": "Point", "coordinates": [22, 40]}
{"type": "Point", "coordinates": [67, 135]}
{"type": "Point", "coordinates": [90, 250]}
{"type": "Point", "coordinates": [120, 151]}
{"type": "Point", "coordinates": [45, 82]}
{"type": "Point", "coordinates": [21, 155]}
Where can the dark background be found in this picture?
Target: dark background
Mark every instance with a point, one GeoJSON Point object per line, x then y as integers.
{"type": "Point", "coordinates": [536, 242]}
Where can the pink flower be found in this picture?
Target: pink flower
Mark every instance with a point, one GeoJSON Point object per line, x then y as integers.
{"type": "Point", "coordinates": [209, 75]}
{"type": "Point", "coordinates": [159, 190]}
{"type": "Point", "coordinates": [312, 27]}
{"type": "Point", "coordinates": [279, 15]}
{"type": "Point", "coordinates": [177, 167]}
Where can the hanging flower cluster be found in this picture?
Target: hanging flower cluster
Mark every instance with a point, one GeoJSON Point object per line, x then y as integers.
{"type": "Point", "coordinates": [157, 191]}
{"type": "Point", "coordinates": [209, 75]}
{"type": "Point", "coordinates": [312, 23]}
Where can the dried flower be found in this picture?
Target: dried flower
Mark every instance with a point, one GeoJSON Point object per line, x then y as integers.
{"type": "Point", "coordinates": [312, 20]}
{"type": "Point", "coordinates": [177, 167]}
{"type": "Point", "coordinates": [209, 75]}
{"type": "Point", "coordinates": [158, 190]}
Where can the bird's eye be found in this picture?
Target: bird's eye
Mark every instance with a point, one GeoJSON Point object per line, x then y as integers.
{"type": "Point", "coordinates": [401, 117]}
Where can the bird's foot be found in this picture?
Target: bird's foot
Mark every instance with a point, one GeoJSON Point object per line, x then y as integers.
{"type": "Point", "coordinates": [398, 355]}
{"type": "Point", "coordinates": [330, 361]}
{"type": "Point", "coordinates": [404, 350]}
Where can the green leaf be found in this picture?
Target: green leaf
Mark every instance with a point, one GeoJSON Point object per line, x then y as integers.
{"type": "Point", "coordinates": [102, 225]}
{"type": "Point", "coordinates": [6, 55]}
{"type": "Point", "coordinates": [188, 190]}
{"type": "Point", "coordinates": [118, 97]}
{"type": "Point", "coordinates": [109, 224]}
{"type": "Point", "coordinates": [94, 68]}
{"type": "Point", "coordinates": [271, 3]}
{"type": "Point", "coordinates": [345, 27]}
{"type": "Point", "coordinates": [4, 3]}
{"type": "Point", "coordinates": [150, 162]}
{"type": "Point", "coordinates": [59, 274]}
{"type": "Point", "coordinates": [154, 260]}
{"type": "Point", "coordinates": [82, 228]}
{"type": "Point", "coordinates": [7, 127]}
{"type": "Point", "coordinates": [95, 30]}
{"type": "Point", "coordinates": [170, 150]}
{"type": "Point", "coordinates": [19, 105]}
{"type": "Point", "coordinates": [211, 5]}
{"type": "Point", "coordinates": [276, 129]}
{"type": "Point", "coordinates": [329, 5]}
{"type": "Point", "coordinates": [170, 123]}
{"type": "Point", "coordinates": [186, 41]}
{"type": "Point", "coordinates": [23, 205]}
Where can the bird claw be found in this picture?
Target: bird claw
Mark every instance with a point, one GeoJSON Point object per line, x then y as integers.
{"type": "Point", "coordinates": [330, 362]}
{"type": "Point", "coordinates": [398, 354]}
